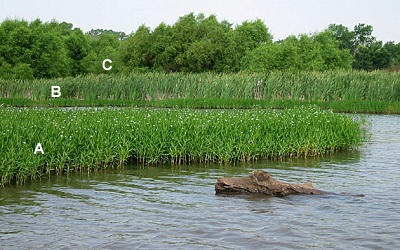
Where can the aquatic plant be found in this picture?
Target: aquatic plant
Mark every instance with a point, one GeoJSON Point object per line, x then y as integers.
{"type": "Point", "coordinates": [344, 91]}
{"type": "Point", "coordinates": [85, 139]}
{"type": "Point", "coordinates": [279, 85]}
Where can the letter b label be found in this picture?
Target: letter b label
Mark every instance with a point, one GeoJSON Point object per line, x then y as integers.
{"type": "Point", "coordinates": [55, 91]}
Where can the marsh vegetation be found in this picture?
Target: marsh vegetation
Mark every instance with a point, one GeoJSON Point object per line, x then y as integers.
{"type": "Point", "coordinates": [81, 140]}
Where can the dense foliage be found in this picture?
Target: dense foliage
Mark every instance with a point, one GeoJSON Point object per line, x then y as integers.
{"type": "Point", "coordinates": [195, 43]}
{"type": "Point", "coordinates": [277, 85]}
{"type": "Point", "coordinates": [77, 140]}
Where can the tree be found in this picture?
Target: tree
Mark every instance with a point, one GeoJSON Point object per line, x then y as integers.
{"type": "Point", "coordinates": [23, 71]}
{"type": "Point", "coordinates": [183, 33]}
{"type": "Point", "coordinates": [96, 33]}
{"type": "Point", "coordinates": [363, 35]}
{"type": "Point", "coordinates": [394, 54]}
{"type": "Point", "coordinates": [200, 56]}
{"type": "Point", "coordinates": [161, 38]}
{"type": "Point", "coordinates": [332, 54]}
{"type": "Point", "coordinates": [136, 49]}
{"type": "Point", "coordinates": [343, 35]}
{"type": "Point", "coordinates": [360, 36]}
{"type": "Point", "coordinates": [294, 53]}
{"type": "Point", "coordinates": [104, 46]}
{"type": "Point", "coordinates": [367, 52]}
{"type": "Point", "coordinates": [206, 52]}
{"type": "Point", "coordinates": [77, 47]}
{"type": "Point", "coordinates": [65, 28]}
{"type": "Point", "coordinates": [49, 54]}
{"type": "Point", "coordinates": [371, 57]}
{"type": "Point", "coordinates": [253, 34]}
{"type": "Point", "coordinates": [193, 43]}
{"type": "Point", "coordinates": [16, 42]}
{"type": "Point", "coordinates": [33, 49]}
{"type": "Point", "coordinates": [264, 58]}
{"type": "Point", "coordinates": [6, 71]}
{"type": "Point", "coordinates": [215, 34]}
{"type": "Point", "coordinates": [242, 40]}
{"type": "Point", "coordinates": [318, 52]}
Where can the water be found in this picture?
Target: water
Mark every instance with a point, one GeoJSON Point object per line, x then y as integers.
{"type": "Point", "coordinates": [176, 207]}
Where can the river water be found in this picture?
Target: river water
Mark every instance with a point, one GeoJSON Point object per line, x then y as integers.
{"type": "Point", "coordinates": [168, 207]}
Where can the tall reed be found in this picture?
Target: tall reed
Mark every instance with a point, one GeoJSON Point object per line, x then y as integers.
{"type": "Point", "coordinates": [281, 85]}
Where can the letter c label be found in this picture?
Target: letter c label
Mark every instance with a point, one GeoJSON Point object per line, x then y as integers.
{"type": "Point", "coordinates": [104, 64]}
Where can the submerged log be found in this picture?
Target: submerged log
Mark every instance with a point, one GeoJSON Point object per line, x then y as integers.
{"type": "Point", "coordinates": [261, 182]}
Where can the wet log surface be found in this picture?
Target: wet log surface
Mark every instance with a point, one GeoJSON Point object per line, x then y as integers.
{"type": "Point", "coordinates": [263, 183]}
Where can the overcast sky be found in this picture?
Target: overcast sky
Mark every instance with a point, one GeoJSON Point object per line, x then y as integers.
{"type": "Point", "coordinates": [282, 17]}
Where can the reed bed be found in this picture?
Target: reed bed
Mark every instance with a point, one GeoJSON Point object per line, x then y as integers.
{"type": "Point", "coordinates": [87, 139]}
{"type": "Point", "coordinates": [378, 86]}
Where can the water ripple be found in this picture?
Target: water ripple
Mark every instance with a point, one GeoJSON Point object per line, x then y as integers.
{"type": "Point", "coordinates": [175, 207]}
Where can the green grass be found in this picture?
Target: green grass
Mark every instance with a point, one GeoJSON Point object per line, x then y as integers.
{"type": "Point", "coordinates": [82, 140]}
{"type": "Point", "coordinates": [348, 91]}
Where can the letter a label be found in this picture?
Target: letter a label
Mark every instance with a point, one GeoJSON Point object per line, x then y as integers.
{"type": "Point", "coordinates": [39, 148]}
{"type": "Point", "coordinates": [55, 91]}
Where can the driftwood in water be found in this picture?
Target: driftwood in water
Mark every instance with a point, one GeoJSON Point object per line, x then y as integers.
{"type": "Point", "coordinates": [262, 182]}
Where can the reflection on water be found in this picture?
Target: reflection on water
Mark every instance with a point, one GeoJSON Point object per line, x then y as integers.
{"type": "Point", "coordinates": [175, 207]}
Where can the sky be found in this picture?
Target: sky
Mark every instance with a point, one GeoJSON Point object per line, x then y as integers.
{"type": "Point", "coordinates": [282, 17]}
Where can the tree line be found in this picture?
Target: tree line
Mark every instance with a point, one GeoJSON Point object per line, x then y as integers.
{"type": "Point", "coordinates": [194, 43]}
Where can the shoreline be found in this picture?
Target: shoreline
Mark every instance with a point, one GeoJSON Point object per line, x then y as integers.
{"type": "Point", "coordinates": [359, 107]}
